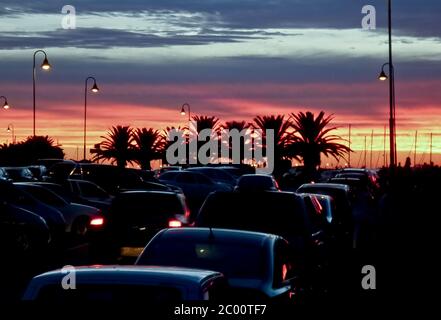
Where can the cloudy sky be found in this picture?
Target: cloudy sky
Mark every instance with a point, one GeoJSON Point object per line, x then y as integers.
{"type": "Point", "coordinates": [228, 58]}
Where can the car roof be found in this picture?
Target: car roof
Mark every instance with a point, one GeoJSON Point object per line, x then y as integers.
{"type": "Point", "coordinates": [130, 274]}
{"type": "Point", "coordinates": [325, 185]}
{"type": "Point", "coordinates": [147, 192]}
{"type": "Point", "coordinates": [218, 234]}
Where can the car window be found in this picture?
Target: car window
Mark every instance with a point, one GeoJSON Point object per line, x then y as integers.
{"type": "Point", "coordinates": [45, 196]}
{"type": "Point", "coordinates": [186, 177]}
{"type": "Point", "coordinates": [169, 175]}
{"type": "Point", "coordinates": [146, 207]}
{"type": "Point", "coordinates": [200, 178]}
{"type": "Point", "coordinates": [110, 292]}
{"type": "Point", "coordinates": [90, 190]}
{"type": "Point", "coordinates": [245, 211]}
{"type": "Point", "coordinates": [235, 260]}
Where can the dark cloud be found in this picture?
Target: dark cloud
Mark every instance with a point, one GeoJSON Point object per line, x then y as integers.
{"type": "Point", "coordinates": [99, 38]}
{"type": "Point", "coordinates": [410, 16]}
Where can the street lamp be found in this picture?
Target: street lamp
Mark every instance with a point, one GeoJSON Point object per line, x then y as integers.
{"type": "Point", "coordinates": [183, 111]}
{"type": "Point", "coordinates": [45, 66]}
{"type": "Point", "coordinates": [10, 129]}
{"type": "Point", "coordinates": [5, 105]}
{"type": "Point", "coordinates": [94, 89]}
{"type": "Point", "coordinates": [383, 77]}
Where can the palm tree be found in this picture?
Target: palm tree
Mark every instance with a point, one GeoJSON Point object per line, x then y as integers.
{"type": "Point", "coordinates": [239, 126]}
{"type": "Point", "coordinates": [202, 123]}
{"type": "Point", "coordinates": [312, 139]}
{"type": "Point", "coordinates": [117, 146]}
{"type": "Point", "coordinates": [149, 146]}
{"type": "Point", "coordinates": [28, 151]}
{"type": "Point", "coordinates": [282, 135]}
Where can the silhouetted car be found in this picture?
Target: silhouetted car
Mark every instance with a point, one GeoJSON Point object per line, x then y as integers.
{"type": "Point", "coordinates": [87, 192]}
{"type": "Point", "coordinates": [39, 172]}
{"type": "Point", "coordinates": [215, 174]}
{"type": "Point", "coordinates": [282, 213]}
{"type": "Point", "coordinates": [162, 170]}
{"type": "Point", "coordinates": [136, 216]}
{"type": "Point", "coordinates": [370, 174]}
{"type": "Point", "coordinates": [53, 217]}
{"type": "Point", "coordinates": [18, 174]}
{"type": "Point", "coordinates": [342, 196]}
{"type": "Point", "coordinates": [99, 199]}
{"type": "Point", "coordinates": [140, 284]}
{"type": "Point", "coordinates": [256, 182]}
{"type": "Point", "coordinates": [79, 218]}
{"type": "Point", "coordinates": [196, 186]}
{"type": "Point", "coordinates": [21, 232]}
{"type": "Point", "coordinates": [258, 266]}
{"type": "Point", "coordinates": [4, 175]}
{"type": "Point", "coordinates": [114, 179]}
{"type": "Point", "coordinates": [60, 170]}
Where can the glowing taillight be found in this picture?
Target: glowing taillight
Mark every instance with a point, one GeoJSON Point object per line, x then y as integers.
{"type": "Point", "coordinates": [174, 224]}
{"type": "Point", "coordinates": [97, 222]}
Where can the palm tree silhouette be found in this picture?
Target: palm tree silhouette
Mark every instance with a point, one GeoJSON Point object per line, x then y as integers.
{"type": "Point", "coordinates": [239, 126]}
{"type": "Point", "coordinates": [149, 146]}
{"type": "Point", "coordinates": [312, 139]}
{"type": "Point", "coordinates": [282, 135]}
{"type": "Point", "coordinates": [202, 123]}
{"type": "Point", "coordinates": [30, 150]}
{"type": "Point", "coordinates": [117, 146]}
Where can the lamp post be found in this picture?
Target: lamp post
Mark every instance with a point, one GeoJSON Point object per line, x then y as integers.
{"type": "Point", "coordinates": [6, 106]}
{"type": "Point", "coordinates": [391, 77]}
{"type": "Point", "coordinates": [45, 66]}
{"type": "Point", "coordinates": [94, 89]}
{"type": "Point", "coordinates": [183, 111]}
{"type": "Point", "coordinates": [12, 131]}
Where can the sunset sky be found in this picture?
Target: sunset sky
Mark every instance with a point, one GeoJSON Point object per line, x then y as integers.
{"type": "Point", "coordinates": [233, 59]}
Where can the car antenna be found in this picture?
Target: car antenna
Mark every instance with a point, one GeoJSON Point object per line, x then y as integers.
{"type": "Point", "coordinates": [211, 235]}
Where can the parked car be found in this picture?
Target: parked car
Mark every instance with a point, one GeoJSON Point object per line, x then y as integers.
{"type": "Point", "coordinates": [114, 179]}
{"type": "Point", "coordinates": [158, 172]}
{"type": "Point", "coordinates": [19, 174]}
{"type": "Point", "coordinates": [20, 198]}
{"type": "Point", "coordinates": [370, 174]}
{"type": "Point", "coordinates": [343, 207]}
{"type": "Point", "coordinates": [258, 266]}
{"type": "Point", "coordinates": [281, 213]}
{"type": "Point", "coordinates": [4, 175]}
{"type": "Point", "coordinates": [21, 231]}
{"type": "Point", "coordinates": [60, 170]}
{"type": "Point", "coordinates": [89, 193]}
{"type": "Point", "coordinates": [140, 284]}
{"type": "Point", "coordinates": [196, 186]}
{"type": "Point", "coordinates": [39, 172]}
{"type": "Point", "coordinates": [257, 182]}
{"type": "Point", "coordinates": [70, 193]}
{"type": "Point", "coordinates": [216, 174]}
{"type": "Point", "coordinates": [136, 216]}
{"type": "Point", "coordinates": [79, 218]}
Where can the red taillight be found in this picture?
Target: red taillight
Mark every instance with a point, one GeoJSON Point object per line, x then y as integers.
{"type": "Point", "coordinates": [97, 222]}
{"type": "Point", "coordinates": [174, 224]}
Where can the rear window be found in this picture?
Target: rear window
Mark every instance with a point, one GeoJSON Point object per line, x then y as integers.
{"type": "Point", "coordinates": [234, 259]}
{"type": "Point", "coordinates": [136, 206]}
{"type": "Point", "coordinates": [270, 212]}
{"type": "Point", "coordinates": [109, 292]}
